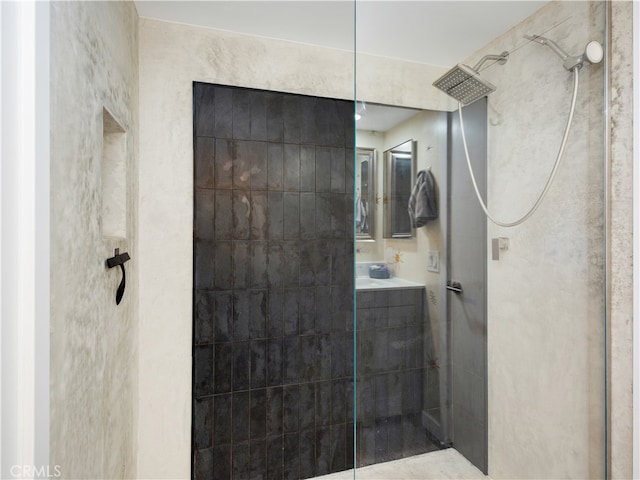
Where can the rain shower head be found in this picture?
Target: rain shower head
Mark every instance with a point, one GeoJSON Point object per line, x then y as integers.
{"type": "Point", "coordinates": [465, 84]}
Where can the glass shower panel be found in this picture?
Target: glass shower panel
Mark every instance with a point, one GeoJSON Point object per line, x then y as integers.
{"type": "Point", "coordinates": [487, 343]}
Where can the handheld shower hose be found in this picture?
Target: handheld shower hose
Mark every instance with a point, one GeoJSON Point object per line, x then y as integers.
{"type": "Point", "coordinates": [576, 81]}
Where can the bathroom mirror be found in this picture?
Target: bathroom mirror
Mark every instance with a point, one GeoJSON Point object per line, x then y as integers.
{"type": "Point", "coordinates": [365, 213]}
{"type": "Point", "coordinates": [399, 172]}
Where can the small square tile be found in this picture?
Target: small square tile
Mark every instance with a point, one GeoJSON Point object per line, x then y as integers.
{"type": "Point", "coordinates": [258, 363]}
{"type": "Point", "coordinates": [275, 265]}
{"type": "Point", "coordinates": [291, 264]}
{"type": "Point", "coordinates": [258, 459]}
{"type": "Point", "coordinates": [323, 450]}
{"type": "Point", "coordinates": [204, 314]}
{"type": "Point", "coordinates": [291, 115]}
{"type": "Point", "coordinates": [274, 411]}
{"type": "Point", "coordinates": [323, 403]}
{"type": "Point", "coordinates": [259, 264]}
{"type": "Point", "coordinates": [202, 464]}
{"type": "Point", "coordinates": [307, 406]}
{"type": "Point", "coordinates": [222, 427]}
{"type": "Point", "coordinates": [366, 399]}
{"type": "Point", "coordinates": [323, 169]}
{"type": "Point", "coordinates": [394, 393]}
{"type": "Point", "coordinates": [258, 414]}
{"type": "Point", "coordinates": [223, 108]}
{"type": "Point", "coordinates": [275, 167]}
{"type": "Point", "coordinates": [204, 265]}
{"type": "Point", "coordinates": [323, 356]}
{"type": "Point", "coordinates": [337, 170]}
{"type": "Point", "coordinates": [307, 216]}
{"type": "Point", "coordinates": [307, 453]}
{"type": "Point", "coordinates": [291, 408]}
{"type": "Point", "coordinates": [241, 416]}
{"type": "Point", "coordinates": [241, 314]}
{"type": "Point", "coordinates": [382, 440]}
{"type": "Point", "coordinates": [291, 311]}
{"type": "Point", "coordinates": [381, 395]}
{"type": "Point", "coordinates": [240, 460]}
{"type": "Point", "coordinates": [412, 391]}
{"type": "Point", "coordinates": [241, 366]}
{"type": "Point", "coordinates": [241, 210]}
{"type": "Point", "coordinates": [258, 109]}
{"type": "Point", "coordinates": [396, 349]}
{"type": "Point", "coordinates": [202, 423]}
{"type": "Point", "coordinates": [241, 264]}
{"type": "Point", "coordinates": [275, 315]}
{"type": "Point", "coordinates": [308, 358]}
{"type": "Point", "coordinates": [204, 212]}
{"type": "Point", "coordinates": [307, 313]}
{"type": "Point", "coordinates": [223, 278]}
{"type": "Point", "coordinates": [241, 114]}
{"type": "Point", "coordinates": [258, 313]}
{"type": "Point", "coordinates": [291, 359]}
{"type": "Point", "coordinates": [307, 168]}
{"type": "Point", "coordinates": [222, 367]}
{"type": "Point", "coordinates": [204, 101]}
{"type": "Point", "coordinates": [275, 465]}
{"type": "Point", "coordinates": [275, 122]}
{"type": "Point", "coordinates": [338, 448]}
{"type": "Point", "coordinates": [225, 150]}
{"type": "Point", "coordinates": [221, 463]}
{"type": "Point", "coordinates": [203, 370]}
{"type": "Point", "coordinates": [223, 316]}
{"type": "Point", "coordinates": [338, 402]}
{"type": "Point", "coordinates": [292, 168]}
{"type": "Point", "coordinates": [291, 216]}
{"type": "Point", "coordinates": [291, 456]}
{"type": "Point", "coordinates": [275, 362]}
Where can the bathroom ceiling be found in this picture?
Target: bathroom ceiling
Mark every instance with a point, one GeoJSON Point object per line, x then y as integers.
{"type": "Point", "coordinates": [434, 32]}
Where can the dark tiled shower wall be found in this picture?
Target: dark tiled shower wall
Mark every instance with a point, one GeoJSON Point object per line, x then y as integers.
{"type": "Point", "coordinates": [273, 283]}
{"type": "Point", "coordinates": [392, 337]}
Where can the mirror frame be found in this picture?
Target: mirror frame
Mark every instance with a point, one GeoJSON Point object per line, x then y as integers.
{"type": "Point", "coordinates": [401, 151]}
{"type": "Point", "coordinates": [371, 199]}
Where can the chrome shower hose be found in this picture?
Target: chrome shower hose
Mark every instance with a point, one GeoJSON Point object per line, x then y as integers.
{"type": "Point", "coordinates": [537, 203]}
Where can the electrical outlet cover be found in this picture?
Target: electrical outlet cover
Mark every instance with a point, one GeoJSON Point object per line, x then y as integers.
{"type": "Point", "coordinates": [433, 261]}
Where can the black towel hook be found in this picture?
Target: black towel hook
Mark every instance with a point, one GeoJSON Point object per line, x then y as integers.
{"type": "Point", "coordinates": [118, 259]}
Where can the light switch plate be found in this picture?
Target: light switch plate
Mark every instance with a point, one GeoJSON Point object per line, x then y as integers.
{"type": "Point", "coordinates": [433, 261]}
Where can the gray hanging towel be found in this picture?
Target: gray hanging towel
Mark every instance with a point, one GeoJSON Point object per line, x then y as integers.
{"type": "Point", "coordinates": [423, 205]}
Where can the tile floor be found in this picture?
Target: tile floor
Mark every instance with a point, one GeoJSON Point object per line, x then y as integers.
{"type": "Point", "coordinates": [443, 464]}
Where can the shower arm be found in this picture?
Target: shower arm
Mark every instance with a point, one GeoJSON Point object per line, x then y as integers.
{"type": "Point", "coordinates": [501, 59]}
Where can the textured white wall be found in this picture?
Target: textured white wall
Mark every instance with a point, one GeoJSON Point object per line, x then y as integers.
{"type": "Point", "coordinates": [546, 293]}
{"type": "Point", "coordinates": [621, 241]}
{"type": "Point", "coordinates": [93, 341]}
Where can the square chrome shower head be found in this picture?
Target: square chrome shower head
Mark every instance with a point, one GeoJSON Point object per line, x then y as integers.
{"type": "Point", "coordinates": [464, 84]}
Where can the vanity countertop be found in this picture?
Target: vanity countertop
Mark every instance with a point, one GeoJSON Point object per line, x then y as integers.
{"type": "Point", "coordinates": [366, 283]}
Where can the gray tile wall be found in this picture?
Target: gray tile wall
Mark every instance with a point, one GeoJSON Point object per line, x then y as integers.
{"type": "Point", "coordinates": [391, 371]}
{"type": "Point", "coordinates": [273, 283]}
